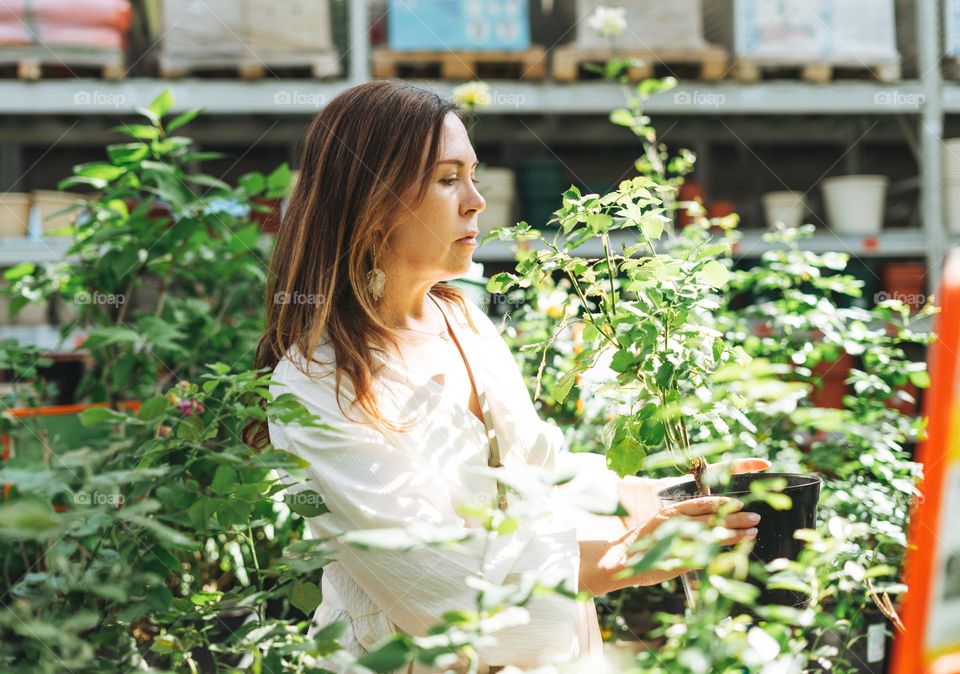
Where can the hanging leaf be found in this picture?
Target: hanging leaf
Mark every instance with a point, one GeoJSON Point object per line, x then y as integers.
{"type": "Point", "coordinates": [306, 597]}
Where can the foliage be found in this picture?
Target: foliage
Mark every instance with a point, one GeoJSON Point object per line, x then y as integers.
{"type": "Point", "coordinates": [165, 270]}
{"type": "Point", "coordinates": [159, 541]}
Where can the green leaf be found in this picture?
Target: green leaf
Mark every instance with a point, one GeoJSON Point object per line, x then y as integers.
{"type": "Point", "coordinates": [252, 183]}
{"type": "Point", "coordinates": [278, 182]}
{"type": "Point", "coordinates": [201, 512]}
{"type": "Point", "coordinates": [626, 458]}
{"type": "Point", "coordinates": [154, 408]}
{"type": "Point", "coordinates": [306, 597]}
{"type": "Point", "coordinates": [652, 227]}
{"type": "Point", "coordinates": [182, 119]}
{"type": "Point", "coordinates": [501, 282]}
{"type": "Point", "coordinates": [233, 512]}
{"type": "Point", "coordinates": [737, 590]}
{"type": "Point", "coordinates": [621, 361]}
{"type": "Point", "coordinates": [94, 416]}
{"type": "Point", "coordinates": [223, 480]}
{"type": "Point", "coordinates": [599, 222]}
{"type": "Point", "coordinates": [920, 379]}
{"type": "Point", "coordinates": [100, 170]}
{"type": "Point", "coordinates": [392, 655]}
{"type": "Point", "coordinates": [306, 503]}
{"type": "Point", "coordinates": [664, 374]}
{"type": "Point", "coordinates": [27, 518]}
{"type": "Point", "coordinates": [622, 117]}
{"type": "Point", "coordinates": [127, 153]}
{"type": "Point", "coordinates": [162, 104]}
{"type": "Point", "coordinates": [141, 131]}
{"type": "Point", "coordinates": [714, 274]}
{"type": "Point", "coordinates": [206, 181]}
{"type": "Point", "coordinates": [190, 429]}
{"type": "Point", "coordinates": [566, 382]}
{"type": "Point", "coordinates": [204, 598]}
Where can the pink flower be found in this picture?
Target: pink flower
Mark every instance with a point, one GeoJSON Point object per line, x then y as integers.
{"type": "Point", "coordinates": [190, 406]}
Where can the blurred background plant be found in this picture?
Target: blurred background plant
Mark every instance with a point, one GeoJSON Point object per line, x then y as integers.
{"type": "Point", "coordinates": [166, 269]}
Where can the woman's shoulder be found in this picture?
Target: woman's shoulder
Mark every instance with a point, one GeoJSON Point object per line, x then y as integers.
{"type": "Point", "coordinates": [481, 321]}
{"type": "Point", "coordinates": [294, 373]}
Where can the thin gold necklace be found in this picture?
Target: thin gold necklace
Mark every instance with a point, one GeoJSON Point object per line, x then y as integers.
{"type": "Point", "coordinates": [443, 334]}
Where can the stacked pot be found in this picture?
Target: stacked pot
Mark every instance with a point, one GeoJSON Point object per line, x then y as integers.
{"type": "Point", "coordinates": [951, 184]}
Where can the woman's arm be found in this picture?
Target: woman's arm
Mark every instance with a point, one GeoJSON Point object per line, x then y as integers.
{"type": "Point", "coordinates": [605, 541]}
{"type": "Point", "coordinates": [368, 483]}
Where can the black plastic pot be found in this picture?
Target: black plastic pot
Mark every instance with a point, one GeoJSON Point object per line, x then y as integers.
{"type": "Point", "coordinates": [775, 531]}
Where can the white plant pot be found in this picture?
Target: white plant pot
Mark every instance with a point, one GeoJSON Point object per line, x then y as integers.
{"type": "Point", "coordinates": [785, 207]}
{"type": "Point", "coordinates": [855, 204]}
{"type": "Point", "coordinates": [951, 200]}
{"type": "Point", "coordinates": [14, 214]}
{"type": "Point", "coordinates": [951, 158]}
{"type": "Point", "coordinates": [497, 187]}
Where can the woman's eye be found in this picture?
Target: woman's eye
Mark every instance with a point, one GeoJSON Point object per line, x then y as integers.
{"type": "Point", "coordinates": [449, 181]}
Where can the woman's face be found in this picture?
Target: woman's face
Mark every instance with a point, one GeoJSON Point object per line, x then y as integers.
{"type": "Point", "coordinates": [435, 239]}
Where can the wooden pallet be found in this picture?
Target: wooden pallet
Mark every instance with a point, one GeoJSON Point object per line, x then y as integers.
{"type": "Point", "coordinates": [528, 64]}
{"type": "Point", "coordinates": [33, 62]}
{"type": "Point", "coordinates": [319, 66]}
{"type": "Point", "coordinates": [705, 63]}
{"type": "Point", "coordinates": [751, 70]}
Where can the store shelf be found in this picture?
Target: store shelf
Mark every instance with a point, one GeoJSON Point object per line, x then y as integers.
{"type": "Point", "coordinates": [281, 97]}
{"type": "Point", "coordinates": [44, 337]}
{"type": "Point", "coordinates": [904, 243]}
{"type": "Point", "coordinates": [15, 251]}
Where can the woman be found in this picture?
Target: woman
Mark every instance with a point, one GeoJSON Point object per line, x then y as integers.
{"type": "Point", "coordinates": [417, 389]}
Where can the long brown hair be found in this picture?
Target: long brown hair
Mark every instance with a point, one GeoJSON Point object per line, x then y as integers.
{"type": "Point", "coordinates": [361, 153]}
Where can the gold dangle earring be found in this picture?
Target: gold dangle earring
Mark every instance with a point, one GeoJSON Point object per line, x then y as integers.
{"type": "Point", "coordinates": [376, 279]}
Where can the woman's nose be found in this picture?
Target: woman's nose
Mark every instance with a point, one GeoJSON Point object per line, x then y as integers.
{"type": "Point", "coordinates": [474, 200]}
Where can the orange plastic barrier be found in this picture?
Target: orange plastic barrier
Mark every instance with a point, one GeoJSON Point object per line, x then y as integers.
{"type": "Point", "coordinates": [931, 611]}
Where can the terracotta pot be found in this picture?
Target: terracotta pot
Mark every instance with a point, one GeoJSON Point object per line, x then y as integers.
{"type": "Point", "coordinates": [269, 220]}
{"type": "Point", "coordinates": [906, 281]}
{"type": "Point", "coordinates": [689, 191]}
{"type": "Point", "coordinates": [832, 375]}
{"type": "Point", "coordinates": [721, 209]}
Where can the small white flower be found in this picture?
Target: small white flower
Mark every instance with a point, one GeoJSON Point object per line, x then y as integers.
{"type": "Point", "coordinates": [608, 21]}
{"type": "Point", "coordinates": [472, 95]}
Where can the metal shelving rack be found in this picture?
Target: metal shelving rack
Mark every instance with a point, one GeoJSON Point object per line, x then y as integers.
{"type": "Point", "coordinates": [274, 99]}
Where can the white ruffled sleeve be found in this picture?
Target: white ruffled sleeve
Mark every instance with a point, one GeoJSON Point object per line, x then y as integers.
{"type": "Point", "coordinates": [369, 483]}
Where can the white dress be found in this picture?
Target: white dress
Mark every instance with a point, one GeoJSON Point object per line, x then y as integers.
{"type": "Point", "coordinates": [375, 479]}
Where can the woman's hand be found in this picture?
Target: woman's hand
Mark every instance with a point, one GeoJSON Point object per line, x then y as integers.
{"type": "Point", "coordinates": [638, 495]}
{"type": "Point", "coordinates": [602, 560]}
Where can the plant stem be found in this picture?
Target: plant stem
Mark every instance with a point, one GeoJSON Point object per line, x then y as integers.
{"type": "Point", "coordinates": [256, 565]}
{"type": "Point", "coordinates": [613, 292]}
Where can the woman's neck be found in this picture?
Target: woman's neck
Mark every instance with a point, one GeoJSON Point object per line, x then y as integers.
{"type": "Point", "coordinates": [407, 305]}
